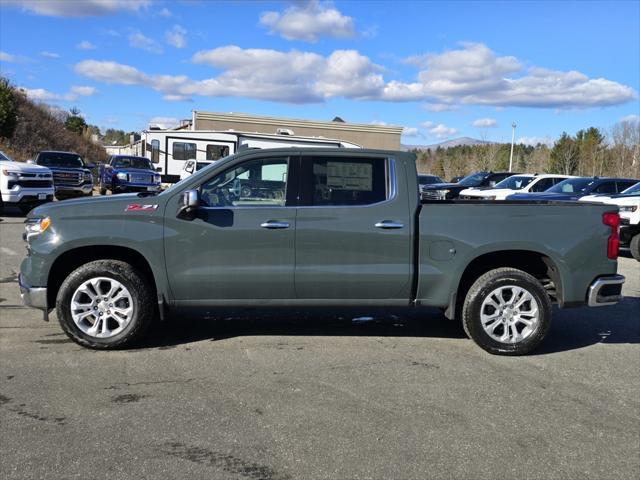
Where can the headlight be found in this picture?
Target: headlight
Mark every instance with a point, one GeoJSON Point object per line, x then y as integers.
{"type": "Point", "coordinates": [122, 176]}
{"type": "Point", "coordinates": [10, 173]}
{"type": "Point", "coordinates": [443, 193]}
{"type": "Point", "coordinates": [156, 178]}
{"type": "Point", "coordinates": [630, 208]}
{"type": "Point", "coordinates": [35, 226]}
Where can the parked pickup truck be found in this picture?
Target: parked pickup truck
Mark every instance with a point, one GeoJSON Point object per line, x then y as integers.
{"type": "Point", "coordinates": [316, 228]}
{"type": "Point", "coordinates": [126, 173]}
{"type": "Point", "coordinates": [71, 175]}
{"type": "Point", "coordinates": [24, 185]}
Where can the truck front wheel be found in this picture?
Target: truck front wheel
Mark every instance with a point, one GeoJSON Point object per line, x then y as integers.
{"type": "Point", "coordinates": [507, 312]}
{"type": "Point", "coordinates": [105, 304]}
{"type": "Point", "coordinates": [634, 246]}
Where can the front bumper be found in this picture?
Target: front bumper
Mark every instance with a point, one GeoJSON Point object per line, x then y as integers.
{"type": "Point", "coordinates": [606, 290]}
{"type": "Point", "coordinates": [84, 189]}
{"type": "Point", "coordinates": [34, 297]}
{"type": "Point", "coordinates": [27, 195]}
{"type": "Point", "coordinates": [133, 187]}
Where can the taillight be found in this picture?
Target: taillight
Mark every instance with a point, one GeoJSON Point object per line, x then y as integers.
{"type": "Point", "coordinates": [612, 219]}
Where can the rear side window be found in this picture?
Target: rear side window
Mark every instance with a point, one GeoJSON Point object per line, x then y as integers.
{"type": "Point", "coordinates": [606, 187]}
{"type": "Point", "coordinates": [343, 181]}
{"type": "Point", "coordinates": [623, 185]}
{"type": "Point", "coordinates": [216, 152]}
{"type": "Point", "coordinates": [184, 151]}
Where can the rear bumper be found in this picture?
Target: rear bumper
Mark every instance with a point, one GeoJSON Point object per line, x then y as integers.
{"type": "Point", "coordinates": [35, 297]}
{"type": "Point", "coordinates": [606, 290]}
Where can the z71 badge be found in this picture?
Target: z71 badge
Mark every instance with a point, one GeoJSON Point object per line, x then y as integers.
{"type": "Point", "coordinates": [136, 207]}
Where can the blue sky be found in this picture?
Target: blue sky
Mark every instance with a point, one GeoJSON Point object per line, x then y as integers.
{"type": "Point", "coordinates": [440, 69]}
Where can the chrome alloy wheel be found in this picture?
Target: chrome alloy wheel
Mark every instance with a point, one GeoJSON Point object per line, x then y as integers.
{"type": "Point", "coordinates": [101, 307]}
{"type": "Point", "coordinates": [509, 314]}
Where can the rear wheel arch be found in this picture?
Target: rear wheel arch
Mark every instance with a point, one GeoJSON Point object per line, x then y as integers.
{"type": "Point", "coordinates": [535, 263]}
{"type": "Point", "coordinates": [70, 260]}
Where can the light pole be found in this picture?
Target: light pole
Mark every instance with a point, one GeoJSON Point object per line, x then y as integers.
{"type": "Point", "coordinates": [513, 138]}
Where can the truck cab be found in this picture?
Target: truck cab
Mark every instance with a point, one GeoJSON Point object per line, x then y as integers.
{"type": "Point", "coordinates": [127, 173]}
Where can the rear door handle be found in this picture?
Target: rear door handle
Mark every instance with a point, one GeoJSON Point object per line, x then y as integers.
{"type": "Point", "coordinates": [273, 225]}
{"type": "Point", "coordinates": [388, 224]}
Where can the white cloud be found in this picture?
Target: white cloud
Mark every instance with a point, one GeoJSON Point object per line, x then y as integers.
{"type": "Point", "coordinates": [44, 53]}
{"type": "Point", "coordinates": [439, 130]}
{"type": "Point", "coordinates": [533, 141]}
{"type": "Point", "coordinates": [84, 8]}
{"type": "Point", "coordinates": [309, 21]}
{"type": "Point", "coordinates": [176, 37]}
{"type": "Point", "coordinates": [164, 122]}
{"type": "Point", "coordinates": [485, 123]}
{"type": "Point", "coordinates": [631, 118]}
{"type": "Point", "coordinates": [85, 45]}
{"type": "Point", "coordinates": [165, 12]}
{"type": "Point", "coordinates": [139, 40]}
{"type": "Point", "coordinates": [475, 75]}
{"type": "Point", "coordinates": [472, 75]}
{"type": "Point", "coordinates": [6, 57]}
{"type": "Point", "coordinates": [42, 95]}
{"type": "Point", "coordinates": [410, 132]}
{"type": "Point", "coordinates": [111, 72]}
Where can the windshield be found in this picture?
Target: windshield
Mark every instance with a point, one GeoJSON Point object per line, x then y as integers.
{"type": "Point", "coordinates": [473, 180]}
{"type": "Point", "coordinates": [132, 162]}
{"type": "Point", "coordinates": [572, 185]}
{"type": "Point", "coordinates": [429, 179]}
{"type": "Point", "coordinates": [516, 182]}
{"type": "Point", "coordinates": [633, 190]}
{"type": "Point", "coordinates": [60, 159]}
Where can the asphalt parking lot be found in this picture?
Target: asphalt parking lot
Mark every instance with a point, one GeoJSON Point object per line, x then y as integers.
{"type": "Point", "coordinates": [318, 396]}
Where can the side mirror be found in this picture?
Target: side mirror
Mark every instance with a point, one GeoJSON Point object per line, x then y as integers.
{"type": "Point", "coordinates": [158, 169]}
{"type": "Point", "coordinates": [189, 203]}
{"type": "Point", "coordinates": [90, 165]}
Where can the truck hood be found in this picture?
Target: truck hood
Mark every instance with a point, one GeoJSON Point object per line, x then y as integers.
{"type": "Point", "coordinates": [92, 207]}
{"type": "Point", "coordinates": [487, 192]}
{"type": "Point", "coordinates": [142, 171]}
{"type": "Point", "coordinates": [23, 167]}
{"type": "Point", "coordinates": [443, 186]}
{"type": "Point", "coordinates": [68, 169]}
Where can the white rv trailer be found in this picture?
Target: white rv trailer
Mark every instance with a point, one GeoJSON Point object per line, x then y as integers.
{"type": "Point", "coordinates": [169, 149]}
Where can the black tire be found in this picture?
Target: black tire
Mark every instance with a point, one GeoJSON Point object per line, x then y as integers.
{"type": "Point", "coordinates": [482, 288]}
{"type": "Point", "coordinates": [142, 292]}
{"type": "Point", "coordinates": [25, 208]}
{"type": "Point", "coordinates": [634, 246]}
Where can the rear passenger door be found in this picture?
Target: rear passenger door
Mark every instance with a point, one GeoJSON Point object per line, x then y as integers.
{"type": "Point", "coordinates": [353, 229]}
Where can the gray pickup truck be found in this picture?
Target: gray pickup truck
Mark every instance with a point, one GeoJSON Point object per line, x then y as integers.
{"type": "Point", "coordinates": [316, 228]}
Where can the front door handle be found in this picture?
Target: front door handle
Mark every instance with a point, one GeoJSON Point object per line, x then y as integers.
{"type": "Point", "coordinates": [273, 225]}
{"type": "Point", "coordinates": [388, 224]}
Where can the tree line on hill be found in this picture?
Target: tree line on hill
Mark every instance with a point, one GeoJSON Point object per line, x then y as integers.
{"type": "Point", "coordinates": [27, 128]}
{"type": "Point", "coordinates": [591, 152]}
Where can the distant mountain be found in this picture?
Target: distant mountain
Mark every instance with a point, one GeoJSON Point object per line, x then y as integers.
{"type": "Point", "coordinates": [455, 142]}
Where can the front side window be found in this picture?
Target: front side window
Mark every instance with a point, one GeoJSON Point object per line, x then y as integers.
{"type": "Point", "coordinates": [542, 185]}
{"type": "Point", "coordinates": [216, 152]}
{"type": "Point", "coordinates": [184, 151]}
{"type": "Point", "coordinates": [255, 183]}
{"type": "Point", "coordinates": [343, 181]}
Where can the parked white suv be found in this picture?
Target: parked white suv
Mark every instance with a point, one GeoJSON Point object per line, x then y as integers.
{"type": "Point", "coordinates": [24, 185]}
{"type": "Point", "coordinates": [628, 202]}
{"type": "Point", "coordinates": [514, 184]}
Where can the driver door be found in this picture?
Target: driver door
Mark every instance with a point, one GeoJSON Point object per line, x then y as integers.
{"type": "Point", "coordinates": [241, 244]}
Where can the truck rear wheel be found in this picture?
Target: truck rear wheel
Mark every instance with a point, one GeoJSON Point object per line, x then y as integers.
{"type": "Point", "coordinates": [634, 246]}
{"type": "Point", "coordinates": [507, 312]}
{"type": "Point", "coordinates": [105, 304]}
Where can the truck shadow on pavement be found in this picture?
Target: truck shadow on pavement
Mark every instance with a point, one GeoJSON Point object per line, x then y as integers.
{"type": "Point", "coordinates": [570, 329]}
